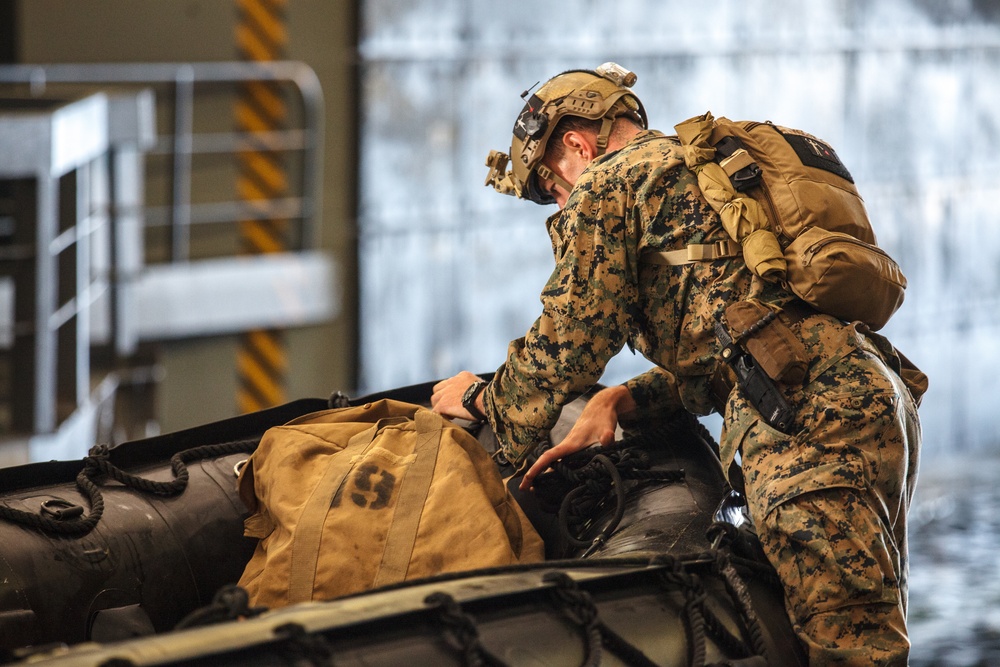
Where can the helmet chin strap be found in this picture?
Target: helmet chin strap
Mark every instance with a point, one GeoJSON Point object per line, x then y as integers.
{"type": "Point", "coordinates": [549, 175]}
{"type": "Point", "coordinates": [603, 137]}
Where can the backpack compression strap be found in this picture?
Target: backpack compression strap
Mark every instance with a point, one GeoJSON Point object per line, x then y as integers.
{"type": "Point", "coordinates": [696, 252]}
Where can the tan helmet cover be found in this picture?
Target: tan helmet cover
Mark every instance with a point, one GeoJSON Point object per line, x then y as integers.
{"type": "Point", "coordinates": [603, 93]}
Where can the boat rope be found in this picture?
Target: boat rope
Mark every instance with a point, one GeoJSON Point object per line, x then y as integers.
{"type": "Point", "coordinates": [59, 516]}
{"type": "Point", "coordinates": [580, 485]}
{"type": "Point", "coordinates": [701, 623]}
{"type": "Point", "coordinates": [178, 465]}
{"type": "Point", "coordinates": [741, 597]}
{"type": "Point", "coordinates": [304, 646]}
{"type": "Point", "coordinates": [65, 518]}
{"type": "Point", "coordinates": [581, 503]}
{"type": "Point", "coordinates": [229, 603]}
{"type": "Point", "coordinates": [461, 628]}
{"type": "Point", "coordinates": [674, 576]}
{"type": "Point", "coordinates": [578, 605]}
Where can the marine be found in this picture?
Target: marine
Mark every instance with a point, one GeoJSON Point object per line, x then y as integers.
{"type": "Point", "coordinates": [828, 491]}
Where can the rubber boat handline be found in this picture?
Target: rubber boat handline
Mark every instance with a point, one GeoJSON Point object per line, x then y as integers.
{"type": "Point", "coordinates": [593, 578]}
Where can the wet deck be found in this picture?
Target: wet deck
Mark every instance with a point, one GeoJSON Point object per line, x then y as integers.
{"type": "Point", "coordinates": [954, 613]}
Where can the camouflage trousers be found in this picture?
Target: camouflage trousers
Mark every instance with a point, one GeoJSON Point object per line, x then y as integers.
{"type": "Point", "coordinates": [830, 505]}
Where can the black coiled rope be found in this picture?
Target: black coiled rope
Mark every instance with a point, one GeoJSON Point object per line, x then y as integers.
{"type": "Point", "coordinates": [63, 518]}
{"type": "Point", "coordinates": [581, 485]}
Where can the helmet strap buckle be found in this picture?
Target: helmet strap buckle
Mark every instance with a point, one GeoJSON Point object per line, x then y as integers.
{"type": "Point", "coordinates": [605, 134]}
{"type": "Point", "coordinates": [549, 175]}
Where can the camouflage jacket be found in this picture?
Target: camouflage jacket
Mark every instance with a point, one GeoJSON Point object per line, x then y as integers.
{"type": "Point", "coordinates": [602, 296]}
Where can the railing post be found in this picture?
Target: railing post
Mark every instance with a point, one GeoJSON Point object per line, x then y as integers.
{"type": "Point", "coordinates": [180, 237]}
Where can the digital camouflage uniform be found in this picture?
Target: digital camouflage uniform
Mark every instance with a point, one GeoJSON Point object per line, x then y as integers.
{"type": "Point", "coordinates": [829, 502]}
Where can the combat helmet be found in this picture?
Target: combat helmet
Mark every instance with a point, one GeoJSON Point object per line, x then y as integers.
{"type": "Point", "coordinates": [604, 93]}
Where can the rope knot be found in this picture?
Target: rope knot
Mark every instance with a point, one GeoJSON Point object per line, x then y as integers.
{"type": "Point", "coordinates": [721, 534]}
{"type": "Point", "coordinates": [577, 603]}
{"type": "Point", "coordinates": [99, 451]}
{"type": "Point", "coordinates": [228, 604]}
{"type": "Point", "coordinates": [461, 630]}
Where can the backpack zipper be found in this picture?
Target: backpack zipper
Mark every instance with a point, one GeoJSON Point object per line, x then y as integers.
{"type": "Point", "coordinates": [814, 249]}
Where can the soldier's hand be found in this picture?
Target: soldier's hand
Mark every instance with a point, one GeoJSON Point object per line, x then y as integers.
{"type": "Point", "coordinates": [446, 396]}
{"type": "Point", "coordinates": [596, 424]}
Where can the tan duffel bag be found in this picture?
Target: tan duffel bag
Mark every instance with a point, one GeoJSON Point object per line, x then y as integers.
{"type": "Point", "coordinates": [350, 499]}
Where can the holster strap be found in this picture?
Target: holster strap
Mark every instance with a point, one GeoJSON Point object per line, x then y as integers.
{"type": "Point", "coordinates": [724, 379]}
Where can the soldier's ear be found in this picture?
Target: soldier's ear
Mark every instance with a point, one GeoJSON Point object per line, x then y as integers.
{"type": "Point", "coordinates": [580, 143]}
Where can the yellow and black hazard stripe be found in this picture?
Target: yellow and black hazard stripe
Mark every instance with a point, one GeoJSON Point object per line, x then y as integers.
{"type": "Point", "coordinates": [261, 110]}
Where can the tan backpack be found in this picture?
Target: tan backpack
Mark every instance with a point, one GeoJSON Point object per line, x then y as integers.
{"type": "Point", "coordinates": [350, 499]}
{"type": "Point", "coordinates": [791, 204]}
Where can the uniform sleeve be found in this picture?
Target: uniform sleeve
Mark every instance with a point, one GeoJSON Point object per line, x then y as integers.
{"type": "Point", "coordinates": [584, 320]}
{"type": "Point", "coordinates": [655, 394]}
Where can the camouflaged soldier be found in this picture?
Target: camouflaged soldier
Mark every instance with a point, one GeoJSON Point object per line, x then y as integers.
{"type": "Point", "coordinates": [829, 497]}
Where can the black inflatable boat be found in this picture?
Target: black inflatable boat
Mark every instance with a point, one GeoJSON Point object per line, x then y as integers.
{"type": "Point", "coordinates": [129, 557]}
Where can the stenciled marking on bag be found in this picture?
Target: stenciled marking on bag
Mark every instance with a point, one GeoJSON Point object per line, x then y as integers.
{"type": "Point", "coordinates": [371, 487]}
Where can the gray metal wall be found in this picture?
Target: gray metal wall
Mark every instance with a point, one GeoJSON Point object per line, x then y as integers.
{"type": "Point", "coordinates": [905, 89]}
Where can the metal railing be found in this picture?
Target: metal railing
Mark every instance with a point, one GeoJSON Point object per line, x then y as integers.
{"type": "Point", "coordinates": [179, 81]}
{"type": "Point", "coordinates": [177, 88]}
